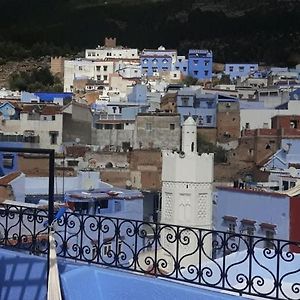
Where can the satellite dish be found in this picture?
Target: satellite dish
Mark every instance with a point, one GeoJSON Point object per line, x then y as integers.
{"type": "Point", "coordinates": [293, 171]}
{"type": "Point", "coordinates": [128, 184]}
{"type": "Point", "coordinates": [285, 147]}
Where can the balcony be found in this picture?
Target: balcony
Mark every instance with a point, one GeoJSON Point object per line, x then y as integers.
{"type": "Point", "coordinates": [217, 260]}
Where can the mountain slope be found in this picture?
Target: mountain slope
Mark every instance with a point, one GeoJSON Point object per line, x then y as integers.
{"type": "Point", "coordinates": [237, 30]}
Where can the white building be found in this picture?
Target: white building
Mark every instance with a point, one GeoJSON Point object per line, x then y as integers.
{"type": "Point", "coordinates": [83, 68]}
{"type": "Point", "coordinates": [39, 124]}
{"type": "Point", "coordinates": [187, 192]}
{"type": "Point", "coordinates": [260, 117]}
{"type": "Point", "coordinates": [111, 53]}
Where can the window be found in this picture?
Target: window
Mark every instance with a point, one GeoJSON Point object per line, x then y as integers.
{"type": "Point", "coordinates": [195, 72]}
{"type": "Point", "coordinates": [154, 61]}
{"type": "Point", "coordinates": [269, 236]}
{"type": "Point", "coordinates": [104, 68]}
{"type": "Point", "coordinates": [104, 77]}
{"type": "Point", "coordinates": [98, 77]}
{"type": "Point", "coordinates": [108, 126]}
{"type": "Point", "coordinates": [103, 204]}
{"type": "Point", "coordinates": [247, 126]}
{"type": "Point", "coordinates": [184, 69]}
{"type": "Point", "coordinates": [72, 163]}
{"type": "Point", "coordinates": [293, 124]}
{"type": "Point", "coordinates": [241, 69]}
{"type": "Point", "coordinates": [263, 94]}
{"type": "Point", "coordinates": [119, 126]}
{"type": "Point", "coordinates": [106, 248]}
{"type": "Point", "coordinates": [209, 104]}
{"type": "Point", "coordinates": [149, 126]}
{"type": "Point", "coordinates": [118, 206]}
{"type": "Point", "coordinates": [231, 227]}
{"type": "Point", "coordinates": [114, 109]}
{"type": "Point", "coordinates": [99, 126]}
{"type": "Point", "coordinates": [98, 68]}
{"type": "Point", "coordinates": [8, 161]}
{"type": "Point", "coordinates": [172, 126]}
{"type": "Point", "coordinates": [208, 119]}
{"type": "Point", "coordinates": [195, 62]}
{"type": "Point", "coordinates": [205, 72]}
{"type": "Point", "coordinates": [274, 94]}
{"type": "Point", "coordinates": [53, 137]}
{"type": "Point", "coordinates": [45, 118]}
{"type": "Point", "coordinates": [53, 118]}
{"type": "Point", "coordinates": [230, 68]}
{"type": "Point", "coordinates": [185, 101]}
{"type": "Point", "coordinates": [206, 62]}
{"type": "Point", "coordinates": [285, 185]}
{"type": "Point", "coordinates": [145, 61]}
{"type": "Point", "coordinates": [80, 68]}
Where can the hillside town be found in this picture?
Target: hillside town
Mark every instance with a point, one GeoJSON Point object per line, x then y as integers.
{"type": "Point", "coordinates": [153, 136]}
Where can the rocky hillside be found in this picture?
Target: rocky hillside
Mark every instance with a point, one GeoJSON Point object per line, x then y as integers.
{"type": "Point", "coordinates": [237, 30]}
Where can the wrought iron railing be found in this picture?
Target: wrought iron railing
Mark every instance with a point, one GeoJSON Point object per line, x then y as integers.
{"type": "Point", "coordinates": [220, 260]}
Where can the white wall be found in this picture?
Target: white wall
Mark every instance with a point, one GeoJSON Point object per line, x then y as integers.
{"type": "Point", "coordinates": [257, 117]}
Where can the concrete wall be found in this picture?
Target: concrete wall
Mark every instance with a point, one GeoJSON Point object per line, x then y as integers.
{"type": "Point", "coordinates": [73, 129]}
{"type": "Point", "coordinates": [228, 121]}
{"type": "Point", "coordinates": [157, 131]}
{"type": "Point", "coordinates": [114, 137]}
{"type": "Point", "coordinates": [41, 128]}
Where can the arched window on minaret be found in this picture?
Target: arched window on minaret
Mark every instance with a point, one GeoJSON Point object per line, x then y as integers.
{"type": "Point", "coordinates": [192, 147]}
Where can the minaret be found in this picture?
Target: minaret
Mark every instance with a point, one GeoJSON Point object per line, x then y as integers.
{"type": "Point", "coordinates": [187, 179]}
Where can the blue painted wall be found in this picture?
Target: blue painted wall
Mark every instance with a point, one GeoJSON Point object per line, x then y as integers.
{"type": "Point", "coordinates": [181, 64]}
{"type": "Point", "coordinates": [239, 70]}
{"type": "Point", "coordinates": [155, 63]}
{"type": "Point", "coordinates": [138, 94]}
{"type": "Point", "coordinates": [200, 64]}
{"type": "Point", "coordinates": [202, 107]}
{"type": "Point", "coordinates": [10, 164]}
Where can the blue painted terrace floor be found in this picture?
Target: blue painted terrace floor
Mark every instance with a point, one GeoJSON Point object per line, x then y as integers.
{"type": "Point", "coordinates": [23, 277]}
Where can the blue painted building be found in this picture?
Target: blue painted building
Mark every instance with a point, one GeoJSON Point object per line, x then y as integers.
{"type": "Point", "coordinates": [240, 70]}
{"type": "Point", "coordinates": [200, 64]}
{"type": "Point", "coordinates": [138, 94]}
{"type": "Point", "coordinates": [181, 64]}
{"type": "Point", "coordinates": [46, 97]}
{"type": "Point", "coordinates": [9, 160]}
{"type": "Point", "coordinates": [201, 106]}
{"type": "Point", "coordinates": [151, 64]}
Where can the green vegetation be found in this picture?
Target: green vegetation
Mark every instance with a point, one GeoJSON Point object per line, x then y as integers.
{"type": "Point", "coordinates": [204, 146]}
{"type": "Point", "coordinates": [39, 80]}
{"type": "Point", "coordinates": [236, 30]}
{"type": "Point", "coordinates": [189, 80]}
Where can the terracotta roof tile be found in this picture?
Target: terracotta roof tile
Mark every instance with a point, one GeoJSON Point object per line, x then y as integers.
{"type": "Point", "coordinates": [6, 180]}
